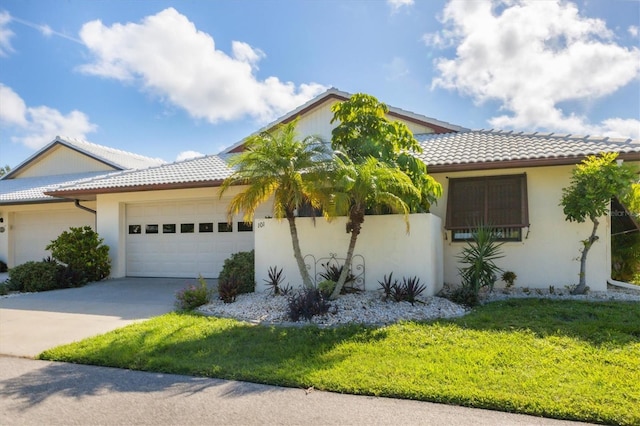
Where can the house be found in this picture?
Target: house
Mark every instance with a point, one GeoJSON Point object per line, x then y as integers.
{"type": "Point", "coordinates": [30, 219]}
{"type": "Point", "coordinates": [168, 220]}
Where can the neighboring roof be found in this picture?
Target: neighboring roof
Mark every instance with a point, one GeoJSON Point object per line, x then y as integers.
{"type": "Point", "coordinates": [333, 93]}
{"type": "Point", "coordinates": [118, 159]}
{"type": "Point", "coordinates": [199, 172]}
{"type": "Point", "coordinates": [489, 149]}
{"type": "Point", "coordinates": [32, 189]}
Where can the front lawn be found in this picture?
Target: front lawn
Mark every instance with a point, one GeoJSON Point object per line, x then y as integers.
{"type": "Point", "coordinates": [562, 359]}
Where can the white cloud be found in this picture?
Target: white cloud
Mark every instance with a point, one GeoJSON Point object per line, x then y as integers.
{"type": "Point", "coordinates": [167, 55]}
{"type": "Point", "coordinates": [37, 126]}
{"type": "Point", "coordinates": [398, 4]}
{"type": "Point", "coordinates": [5, 34]}
{"type": "Point", "coordinates": [531, 56]}
{"type": "Point", "coordinates": [188, 155]}
{"type": "Point", "coordinates": [633, 30]}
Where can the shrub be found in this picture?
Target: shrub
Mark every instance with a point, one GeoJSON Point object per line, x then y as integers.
{"type": "Point", "coordinates": [465, 296]}
{"type": "Point", "coordinates": [326, 287]}
{"type": "Point", "coordinates": [407, 291]}
{"type": "Point", "coordinates": [332, 273]}
{"type": "Point", "coordinates": [35, 276]}
{"type": "Point", "coordinates": [82, 250]}
{"type": "Point", "coordinates": [241, 267]}
{"type": "Point", "coordinates": [307, 303]}
{"type": "Point", "coordinates": [3, 266]}
{"type": "Point", "coordinates": [274, 282]}
{"type": "Point", "coordinates": [509, 278]}
{"type": "Point", "coordinates": [228, 289]}
{"type": "Point", "coordinates": [193, 296]}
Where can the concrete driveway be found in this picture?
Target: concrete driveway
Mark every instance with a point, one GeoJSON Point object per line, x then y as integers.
{"type": "Point", "coordinates": [31, 323]}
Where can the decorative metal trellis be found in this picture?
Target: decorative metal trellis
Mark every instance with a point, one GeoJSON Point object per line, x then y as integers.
{"type": "Point", "coordinates": [317, 267]}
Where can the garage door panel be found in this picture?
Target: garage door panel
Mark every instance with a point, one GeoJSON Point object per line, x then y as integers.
{"type": "Point", "coordinates": [181, 254]}
{"type": "Point", "coordinates": [33, 231]}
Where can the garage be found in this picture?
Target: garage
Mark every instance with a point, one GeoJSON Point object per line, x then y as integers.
{"type": "Point", "coordinates": [32, 231]}
{"type": "Point", "coordinates": [184, 238]}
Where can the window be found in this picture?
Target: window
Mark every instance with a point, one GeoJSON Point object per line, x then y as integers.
{"type": "Point", "coordinates": [151, 229]}
{"type": "Point", "coordinates": [205, 227]}
{"type": "Point", "coordinates": [187, 228]}
{"type": "Point", "coordinates": [497, 201]}
{"type": "Point", "coordinates": [135, 229]}
{"type": "Point", "coordinates": [225, 227]}
{"type": "Point", "coordinates": [245, 226]}
{"type": "Point", "coordinates": [169, 228]}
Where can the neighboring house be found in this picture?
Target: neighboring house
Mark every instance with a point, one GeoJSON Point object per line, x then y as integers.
{"type": "Point", "coordinates": [29, 219]}
{"type": "Point", "coordinates": [168, 220]}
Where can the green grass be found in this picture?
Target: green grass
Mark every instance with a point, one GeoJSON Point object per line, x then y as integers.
{"type": "Point", "coordinates": [561, 359]}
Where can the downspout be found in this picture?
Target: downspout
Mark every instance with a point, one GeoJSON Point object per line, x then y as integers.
{"type": "Point", "coordinates": [87, 209]}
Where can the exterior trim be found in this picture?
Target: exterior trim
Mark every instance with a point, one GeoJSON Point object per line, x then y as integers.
{"type": "Point", "coordinates": [72, 194]}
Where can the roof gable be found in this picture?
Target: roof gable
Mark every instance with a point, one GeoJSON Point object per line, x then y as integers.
{"type": "Point", "coordinates": [65, 155]}
{"type": "Point", "coordinates": [315, 119]}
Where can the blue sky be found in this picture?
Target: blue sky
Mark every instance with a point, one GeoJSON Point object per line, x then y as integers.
{"type": "Point", "coordinates": [169, 79]}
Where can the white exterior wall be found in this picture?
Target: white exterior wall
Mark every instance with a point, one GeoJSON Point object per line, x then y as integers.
{"type": "Point", "coordinates": [12, 235]}
{"type": "Point", "coordinates": [62, 160]}
{"type": "Point", "coordinates": [111, 218]}
{"type": "Point", "coordinates": [383, 243]}
{"type": "Point", "coordinates": [548, 254]}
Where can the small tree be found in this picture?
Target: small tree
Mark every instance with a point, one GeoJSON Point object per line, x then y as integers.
{"type": "Point", "coordinates": [277, 164]}
{"type": "Point", "coordinates": [594, 183]}
{"type": "Point", "coordinates": [4, 170]}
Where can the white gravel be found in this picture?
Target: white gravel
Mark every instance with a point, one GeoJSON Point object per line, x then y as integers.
{"type": "Point", "coordinates": [370, 308]}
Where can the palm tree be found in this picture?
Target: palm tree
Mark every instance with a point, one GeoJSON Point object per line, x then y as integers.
{"type": "Point", "coordinates": [357, 187]}
{"type": "Point", "coordinates": [277, 164]}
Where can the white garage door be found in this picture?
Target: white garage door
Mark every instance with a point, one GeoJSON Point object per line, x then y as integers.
{"type": "Point", "coordinates": [33, 231]}
{"type": "Point", "coordinates": [182, 239]}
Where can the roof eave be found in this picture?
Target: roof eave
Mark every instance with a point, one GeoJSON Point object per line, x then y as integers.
{"type": "Point", "coordinates": [73, 194]}
{"type": "Point", "coordinates": [519, 163]}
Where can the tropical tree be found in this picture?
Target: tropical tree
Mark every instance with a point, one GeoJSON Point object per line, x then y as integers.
{"type": "Point", "coordinates": [358, 187]}
{"type": "Point", "coordinates": [375, 168]}
{"type": "Point", "coordinates": [277, 164]}
{"type": "Point", "coordinates": [594, 183]}
{"type": "Point", "coordinates": [365, 131]}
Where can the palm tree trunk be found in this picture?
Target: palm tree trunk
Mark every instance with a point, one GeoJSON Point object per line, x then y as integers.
{"type": "Point", "coordinates": [355, 231]}
{"type": "Point", "coordinates": [297, 253]}
{"type": "Point", "coordinates": [582, 285]}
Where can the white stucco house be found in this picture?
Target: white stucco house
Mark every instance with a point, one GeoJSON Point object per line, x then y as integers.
{"type": "Point", "coordinates": [168, 220]}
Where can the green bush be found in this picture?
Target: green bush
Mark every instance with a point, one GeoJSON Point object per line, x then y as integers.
{"type": "Point", "coordinates": [326, 287]}
{"type": "Point", "coordinates": [241, 267]}
{"type": "Point", "coordinates": [82, 250]}
{"type": "Point", "coordinates": [35, 276]}
{"type": "Point", "coordinates": [193, 296]}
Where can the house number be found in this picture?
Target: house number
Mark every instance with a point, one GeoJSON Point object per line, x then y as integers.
{"type": "Point", "coordinates": [261, 224]}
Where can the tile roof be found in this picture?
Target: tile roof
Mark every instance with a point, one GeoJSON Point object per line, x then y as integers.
{"type": "Point", "coordinates": [116, 158]}
{"type": "Point", "coordinates": [471, 149]}
{"type": "Point", "coordinates": [32, 189]}
{"type": "Point", "coordinates": [476, 147]}
{"type": "Point", "coordinates": [206, 169]}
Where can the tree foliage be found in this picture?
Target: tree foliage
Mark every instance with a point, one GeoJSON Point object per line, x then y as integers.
{"type": "Point", "coordinates": [365, 131]}
{"type": "Point", "coordinates": [594, 183]}
{"type": "Point", "coordinates": [374, 168]}
{"type": "Point", "coordinates": [277, 164]}
{"type": "Point", "coordinates": [4, 170]}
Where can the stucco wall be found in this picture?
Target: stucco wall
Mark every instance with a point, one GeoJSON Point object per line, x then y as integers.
{"type": "Point", "coordinates": [548, 253]}
{"type": "Point", "coordinates": [62, 160]}
{"type": "Point", "coordinates": [384, 244]}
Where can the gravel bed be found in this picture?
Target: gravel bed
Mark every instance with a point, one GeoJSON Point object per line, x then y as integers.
{"type": "Point", "coordinates": [369, 307]}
